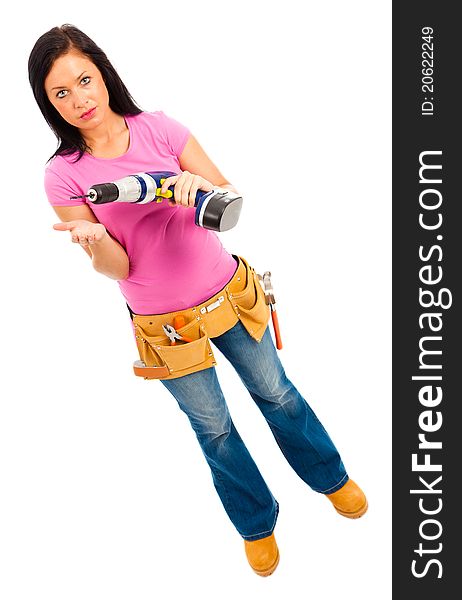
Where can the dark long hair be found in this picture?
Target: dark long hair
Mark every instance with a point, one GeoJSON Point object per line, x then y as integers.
{"type": "Point", "coordinates": [50, 46]}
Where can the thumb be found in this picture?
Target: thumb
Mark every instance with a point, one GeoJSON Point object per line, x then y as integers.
{"type": "Point", "coordinates": [65, 226]}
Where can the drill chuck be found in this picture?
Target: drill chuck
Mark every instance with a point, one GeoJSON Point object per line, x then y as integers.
{"type": "Point", "coordinates": [103, 192]}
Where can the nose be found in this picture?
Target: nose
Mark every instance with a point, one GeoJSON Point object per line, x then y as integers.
{"type": "Point", "coordinates": [80, 99]}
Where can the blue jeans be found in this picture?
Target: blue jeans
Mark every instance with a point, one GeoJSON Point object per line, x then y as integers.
{"type": "Point", "coordinates": [299, 434]}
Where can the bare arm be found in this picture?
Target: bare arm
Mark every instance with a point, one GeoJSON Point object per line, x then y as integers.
{"type": "Point", "coordinates": [195, 160]}
{"type": "Point", "coordinates": [108, 256]}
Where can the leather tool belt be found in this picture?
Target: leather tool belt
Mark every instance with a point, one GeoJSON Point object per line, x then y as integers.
{"type": "Point", "coordinates": [241, 299]}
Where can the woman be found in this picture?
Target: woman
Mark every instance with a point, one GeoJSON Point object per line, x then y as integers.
{"type": "Point", "coordinates": [172, 271]}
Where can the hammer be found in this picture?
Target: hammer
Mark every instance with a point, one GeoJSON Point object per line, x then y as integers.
{"type": "Point", "coordinates": [269, 297]}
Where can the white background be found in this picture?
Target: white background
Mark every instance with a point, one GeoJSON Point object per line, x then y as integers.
{"type": "Point", "coordinates": [105, 492]}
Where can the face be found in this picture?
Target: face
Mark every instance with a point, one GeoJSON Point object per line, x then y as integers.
{"type": "Point", "coordinates": [75, 87]}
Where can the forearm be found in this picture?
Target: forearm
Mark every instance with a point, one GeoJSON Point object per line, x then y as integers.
{"type": "Point", "coordinates": [110, 258]}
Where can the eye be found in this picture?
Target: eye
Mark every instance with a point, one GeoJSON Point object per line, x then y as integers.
{"type": "Point", "coordinates": [84, 81]}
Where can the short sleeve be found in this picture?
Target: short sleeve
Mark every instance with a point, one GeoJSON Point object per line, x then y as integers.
{"type": "Point", "coordinates": [176, 134]}
{"type": "Point", "coordinates": [59, 191]}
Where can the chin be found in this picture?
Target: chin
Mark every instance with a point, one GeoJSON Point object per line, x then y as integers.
{"type": "Point", "coordinates": [87, 125]}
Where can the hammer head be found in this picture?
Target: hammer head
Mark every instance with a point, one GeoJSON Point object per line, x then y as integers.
{"type": "Point", "coordinates": [268, 287]}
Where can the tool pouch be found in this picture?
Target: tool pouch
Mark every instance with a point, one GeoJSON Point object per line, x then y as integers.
{"type": "Point", "coordinates": [241, 299]}
{"type": "Point", "coordinates": [160, 360]}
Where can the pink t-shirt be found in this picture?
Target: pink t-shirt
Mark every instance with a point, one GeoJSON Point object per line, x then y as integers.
{"type": "Point", "coordinates": [174, 264]}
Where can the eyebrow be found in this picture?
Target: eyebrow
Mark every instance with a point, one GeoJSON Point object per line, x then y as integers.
{"type": "Point", "coordinates": [60, 87]}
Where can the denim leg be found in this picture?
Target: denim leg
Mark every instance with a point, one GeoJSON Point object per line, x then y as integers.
{"type": "Point", "coordinates": [298, 432]}
{"type": "Point", "coordinates": [240, 486]}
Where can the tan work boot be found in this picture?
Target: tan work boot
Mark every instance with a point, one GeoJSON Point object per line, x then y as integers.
{"type": "Point", "coordinates": [263, 555]}
{"type": "Point", "coordinates": [349, 501]}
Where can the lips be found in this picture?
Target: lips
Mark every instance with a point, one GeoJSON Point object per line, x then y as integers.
{"type": "Point", "coordinates": [88, 114]}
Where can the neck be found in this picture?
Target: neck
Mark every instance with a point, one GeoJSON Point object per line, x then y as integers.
{"type": "Point", "coordinates": [106, 132]}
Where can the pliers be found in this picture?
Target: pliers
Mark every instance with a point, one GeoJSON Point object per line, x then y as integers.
{"type": "Point", "coordinates": [172, 333]}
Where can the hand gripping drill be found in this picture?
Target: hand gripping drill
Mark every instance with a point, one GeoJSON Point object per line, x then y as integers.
{"type": "Point", "coordinates": [218, 210]}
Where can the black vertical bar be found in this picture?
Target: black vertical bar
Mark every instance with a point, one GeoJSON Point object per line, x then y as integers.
{"type": "Point", "coordinates": [426, 394]}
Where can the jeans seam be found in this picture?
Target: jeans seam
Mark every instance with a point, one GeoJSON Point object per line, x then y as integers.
{"type": "Point", "coordinates": [333, 486]}
{"type": "Point", "coordinates": [269, 530]}
{"type": "Point", "coordinates": [229, 507]}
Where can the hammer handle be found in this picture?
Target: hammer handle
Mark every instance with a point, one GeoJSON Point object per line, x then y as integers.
{"type": "Point", "coordinates": [277, 333]}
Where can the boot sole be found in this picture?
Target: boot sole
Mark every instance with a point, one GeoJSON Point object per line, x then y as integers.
{"type": "Point", "coordinates": [268, 571]}
{"type": "Point", "coordinates": [356, 515]}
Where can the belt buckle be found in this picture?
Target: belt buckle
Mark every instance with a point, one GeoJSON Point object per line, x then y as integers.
{"type": "Point", "coordinates": [213, 306]}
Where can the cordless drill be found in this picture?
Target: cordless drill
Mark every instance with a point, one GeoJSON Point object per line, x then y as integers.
{"type": "Point", "coordinates": [218, 210]}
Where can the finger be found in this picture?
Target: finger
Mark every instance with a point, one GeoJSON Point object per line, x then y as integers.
{"type": "Point", "coordinates": [168, 182]}
{"type": "Point", "coordinates": [78, 237]}
{"type": "Point", "coordinates": [99, 235]}
{"type": "Point", "coordinates": [193, 191]}
{"type": "Point", "coordinates": [205, 185]}
{"type": "Point", "coordinates": [177, 192]}
{"type": "Point", "coordinates": [187, 191]}
{"type": "Point", "coordinates": [64, 226]}
{"type": "Point", "coordinates": [188, 181]}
